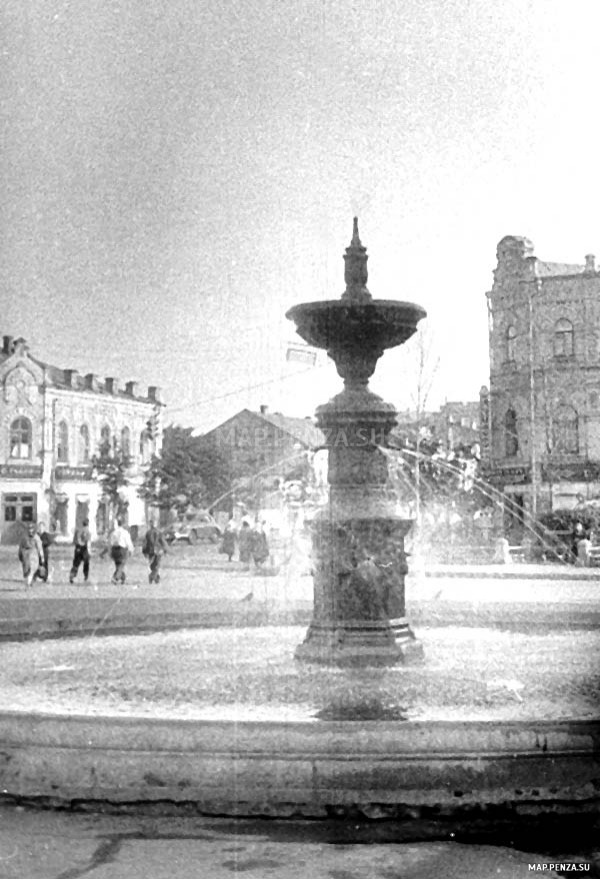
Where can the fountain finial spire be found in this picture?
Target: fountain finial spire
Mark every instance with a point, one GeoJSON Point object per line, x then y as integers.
{"type": "Point", "coordinates": [356, 273]}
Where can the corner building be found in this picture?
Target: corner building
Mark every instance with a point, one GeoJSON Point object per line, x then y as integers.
{"type": "Point", "coordinates": [52, 423]}
{"type": "Point", "coordinates": [540, 418]}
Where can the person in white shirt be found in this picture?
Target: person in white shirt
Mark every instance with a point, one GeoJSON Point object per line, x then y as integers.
{"type": "Point", "coordinates": [121, 548]}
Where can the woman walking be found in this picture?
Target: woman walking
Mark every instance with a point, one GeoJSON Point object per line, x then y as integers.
{"type": "Point", "coordinates": [31, 555]}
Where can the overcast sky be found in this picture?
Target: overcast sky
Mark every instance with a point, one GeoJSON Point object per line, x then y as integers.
{"type": "Point", "coordinates": [178, 173]}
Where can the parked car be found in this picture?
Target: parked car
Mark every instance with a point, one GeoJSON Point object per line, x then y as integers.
{"type": "Point", "coordinates": [201, 527]}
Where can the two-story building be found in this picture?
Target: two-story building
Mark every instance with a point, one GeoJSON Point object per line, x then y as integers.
{"type": "Point", "coordinates": [52, 423]}
{"type": "Point", "coordinates": [540, 418]}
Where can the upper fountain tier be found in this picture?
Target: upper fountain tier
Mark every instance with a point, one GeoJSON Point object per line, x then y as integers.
{"type": "Point", "coordinates": [356, 329]}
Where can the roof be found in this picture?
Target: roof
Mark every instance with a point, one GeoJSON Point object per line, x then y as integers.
{"type": "Point", "coordinates": [303, 429]}
{"type": "Point", "coordinates": [59, 378]}
{"type": "Point", "coordinates": [553, 269]}
{"type": "Point", "coordinates": [70, 379]}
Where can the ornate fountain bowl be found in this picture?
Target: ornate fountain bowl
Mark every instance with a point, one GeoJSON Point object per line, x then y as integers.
{"type": "Point", "coordinates": [355, 331]}
{"type": "Point", "coordinates": [341, 323]}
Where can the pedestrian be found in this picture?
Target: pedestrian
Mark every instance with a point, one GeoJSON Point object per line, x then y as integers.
{"type": "Point", "coordinates": [229, 538]}
{"type": "Point", "coordinates": [31, 554]}
{"type": "Point", "coordinates": [47, 540]}
{"type": "Point", "coordinates": [245, 544]}
{"type": "Point", "coordinates": [155, 546]}
{"type": "Point", "coordinates": [260, 545]}
{"type": "Point", "coordinates": [583, 552]}
{"type": "Point", "coordinates": [81, 553]}
{"type": "Point", "coordinates": [121, 548]}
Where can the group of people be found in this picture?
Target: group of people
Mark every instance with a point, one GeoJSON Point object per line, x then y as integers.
{"type": "Point", "coordinates": [34, 552]}
{"type": "Point", "coordinates": [252, 543]}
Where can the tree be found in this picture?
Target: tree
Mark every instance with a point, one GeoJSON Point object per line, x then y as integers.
{"type": "Point", "coordinates": [111, 468]}
{"type": "Point", "coordinates": [422, 364]}
{"type": "Point", "coordinates": [185, 474]}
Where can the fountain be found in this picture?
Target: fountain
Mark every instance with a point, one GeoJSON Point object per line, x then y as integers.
{"type": "Point", "coordinates": [359, 563]}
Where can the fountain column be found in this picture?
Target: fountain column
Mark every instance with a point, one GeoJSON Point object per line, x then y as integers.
{"type": "Point", "coordinates": [359, 563]}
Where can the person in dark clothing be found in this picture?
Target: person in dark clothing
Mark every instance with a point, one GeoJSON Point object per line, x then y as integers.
{"type": "Point", "coordinates": [155, 546]}
{"type": "Point", "coordinates": [260, 545]}
{"type": "Point", "coordinates": [229, 539]}
{"type": "Point", "coordinates": [245, 544]}
{"type": "Point", "coordinates": [47, 540]}
{"type": "Point", "coordinates": [81, 554]}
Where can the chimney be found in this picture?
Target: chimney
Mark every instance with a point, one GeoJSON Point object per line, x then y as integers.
{"type": "Point", "coordinates": [590, 263]}
{"type": "Point", "coordinates": [155, 394]}
{"type": "Point", "coordinates": [71, 378]}
{"type": "Point", "coordinates": [7, 344]}
{"type": "Point", "coordinates": [20, 346]}
{"type": "Point", "coordinates": [91, 382]}
{"type": "Point", "coordinates": [111, 384]}
{"type": "Point", "coordinates": [264, 409]}
{"type": "Point", "coordinates": [131, 389]}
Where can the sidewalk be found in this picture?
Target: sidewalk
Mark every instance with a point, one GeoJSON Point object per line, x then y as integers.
{"type": "Point", "coordinates": [62, 845]}
{"type": "Point", "coordinates": [514, 571]}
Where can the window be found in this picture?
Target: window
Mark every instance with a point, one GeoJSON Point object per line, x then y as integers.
{"type": "Point", "coordinates": [105, 439]}
{"type": "Point", "coordinates": [126, 442]}
{"type": "Point", "coordinates": [145, 446]}
{"type": "Point", "coordinates": [510, 343]}
{"type": "Point", "coordinates": [563, 338]}
{"type": "Point", "coordinates": [84, 444]}
{"type": "Point", "coordinates": [62, 443]}
{"type": "Point", "coordinates": [565, 431]}
{"type": "Point", "coordinates": [20, 438]}
{"type": "Point", "coordinates": [19, 507]}
{"type": "Point", "coordinates": [511, 437]}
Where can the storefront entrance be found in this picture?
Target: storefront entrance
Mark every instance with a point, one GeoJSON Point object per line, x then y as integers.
{"type": "Point", "coordinates": [17, 511]}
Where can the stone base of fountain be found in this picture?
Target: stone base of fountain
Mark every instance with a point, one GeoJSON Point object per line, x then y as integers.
{"type": "Point", "coordinates": [360, 643]}
{"type": "Point", "coordinates": [359, 566]}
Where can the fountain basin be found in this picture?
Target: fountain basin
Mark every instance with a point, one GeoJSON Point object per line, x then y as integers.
{"type": "Point", "coordinates": [63, 745]}
{"type": "Point", "coordinates": [314, 770]}
{"type": "Point", "coordinates": [338, 323]}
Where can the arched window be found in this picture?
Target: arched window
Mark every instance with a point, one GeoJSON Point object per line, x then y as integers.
{"type": "Point", "coordinates": [105, 439]}
{"type": "Point", "coordinates": [20, 438]}
{"type": "Point", "coordinates": [145, 446]}
{"type": "Point", "coordinates": [84, 444]}
{"type": "Point", "coordinates": [563, 338]}
{"type": "Point", "coordinates": [62, 443]}
{"type": "Point", "coordinates": [510, 340]}
{"type": "Point", "coordinates": [126, 442]}
{"type": "Point", "coordinates": [565, 431]}
{"type": "Point", "coordinates": [511, 437]}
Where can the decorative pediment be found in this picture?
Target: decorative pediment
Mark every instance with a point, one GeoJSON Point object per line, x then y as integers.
{"type": "Point", "coordinates": [20, 387]}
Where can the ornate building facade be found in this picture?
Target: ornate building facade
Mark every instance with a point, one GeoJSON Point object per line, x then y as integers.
{"type": "Point", "coordinates": [52, 423]}
{"type": "Point", "coordinates": [540, 418]}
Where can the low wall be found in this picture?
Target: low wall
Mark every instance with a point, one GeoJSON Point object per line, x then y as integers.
{"type": "Point", "coordinates": [313, 769]}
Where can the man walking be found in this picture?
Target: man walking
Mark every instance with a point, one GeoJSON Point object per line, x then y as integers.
{"type": "Point", "coordinates": [121, 548]}
{"type": "Point", "coordinates": [47, 540]}
{"type": "Point", "coordinates": [155, 546]}
{"type": "Point", "coordinates": [81, 553]}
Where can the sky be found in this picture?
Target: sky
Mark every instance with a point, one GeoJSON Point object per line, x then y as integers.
{"type": "Point", "coordinates": [176, 174]}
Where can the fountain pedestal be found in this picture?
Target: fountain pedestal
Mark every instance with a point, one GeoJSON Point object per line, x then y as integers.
{"type": "Point", "coordinates": [359, 563]}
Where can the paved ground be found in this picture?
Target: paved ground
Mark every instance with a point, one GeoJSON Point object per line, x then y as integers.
{"type": "Point", "coordinates": [199, 584]}
{"type": "Point", "coordinates": [201, 572]}
{"type": "Point", "coordinates": [62, 845]}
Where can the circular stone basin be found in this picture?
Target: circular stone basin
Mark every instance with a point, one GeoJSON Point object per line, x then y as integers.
{"type": "Point", "coordinates": [250, 674]}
